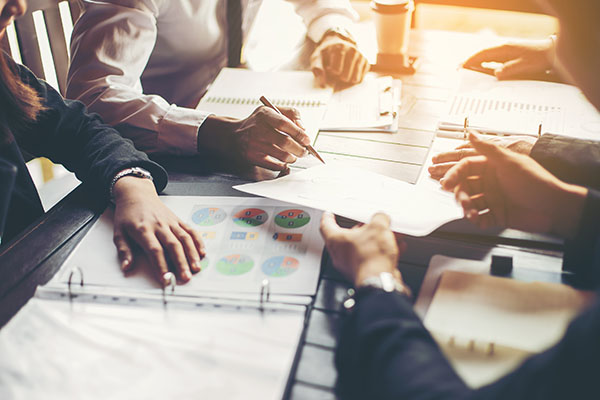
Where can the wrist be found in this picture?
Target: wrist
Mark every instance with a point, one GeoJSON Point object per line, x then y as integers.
{"type": "Point", "coordinates": [568, 210]}
{"type": "Point", "coordinates": [130, 186]}
{"type": "Point", "coordinates": [372, 268]}
{"type": "Point", "coordinates": [341, 33]}
{"type": "Point", "coordinates": [216, 133]}
{"type": "Point", "coordinates": [386, 281]}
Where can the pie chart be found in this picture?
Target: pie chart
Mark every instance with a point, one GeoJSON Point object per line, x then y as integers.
{"type": "Point", "coordinates": [235, 264]}
{"type": "Point", "coordinates": [208, 216]}
{"type": "Point", "coordinates": [250, 217]}
{"type": "Point", "coordinates": [280, 266]}
{"type": "Point", "coordinates": [292, 218]}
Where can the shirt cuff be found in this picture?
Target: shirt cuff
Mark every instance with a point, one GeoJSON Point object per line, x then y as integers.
{"type": "Point", "coordinates": [178, 131]}
{"type": "Point", "coordinates": [319, 26]}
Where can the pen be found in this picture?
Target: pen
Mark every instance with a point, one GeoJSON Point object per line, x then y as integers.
{"type": "Point", "coordinates": [456, 131]}
{"type": "Point", "coordinates": [308, 147]}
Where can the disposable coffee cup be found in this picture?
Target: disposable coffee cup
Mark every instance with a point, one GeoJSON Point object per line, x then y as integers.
{"type": "Point", "coordinates": [392, 23]}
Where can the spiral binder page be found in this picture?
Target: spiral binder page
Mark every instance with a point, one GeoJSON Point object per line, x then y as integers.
{"type": "Point", "coordinates": [488, 325]}
{"type": "Point", "coordinates": [61, 349]}
{"type": "Point", "coordinates": [235, 93]}
{"type": "Point", "coordinates": [248, 241]}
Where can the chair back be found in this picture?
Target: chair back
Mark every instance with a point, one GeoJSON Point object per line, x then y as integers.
{"type": "Point", "coordinates": [39, 39]}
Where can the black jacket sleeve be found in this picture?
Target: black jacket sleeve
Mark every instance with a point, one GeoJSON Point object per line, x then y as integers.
{"type": "Point", "coordinates": [67, 134]}
{"type": "Point", "coordinates": [385, 352]}
{"type": "Point", "coordinates": [582, 253]}
{"type": "Point", "coordinates": [572, 160]}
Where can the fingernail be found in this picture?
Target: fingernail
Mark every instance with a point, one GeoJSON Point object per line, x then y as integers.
{"type": "Point", "coordinates": [442, 181]}
{"type": "Point", "coordinates": [125, 264]}
{"type": "Point", "coordinates": [300, 124]}
{"type": "Point", "coordinates": [187, 275]}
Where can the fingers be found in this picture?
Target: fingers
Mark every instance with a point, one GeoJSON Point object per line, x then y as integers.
{"type": "Point", "coordinates": [343, 62]}
{"type": "Point", "coordinates": [265, 161]}
{"type": "Point", "coordinates": [124, 251]}
{"type": "Point", "coordinates": [195, 235]}
{"type": "Point", "coordinates": [381, 220]}
{"type": "Point", "coordinates": [294, 115]}
{"type": "Point", "coordinates": [437, 171]}
{"type": "Point", "coordinates": [276, 152]}
{"type": "Point", "coordinates": [282, 123]}
{"type": "Point", "coordinates": [454, 155]}
{"type": "Point", "coordinates": [189, 247]}
{"type": "Point", "coordinates": [513, 69]}
{"type": "Point", "coordinates": [329, 226]}
{"type": "Point", "coordinates": [174, 249]}
{"type": "Point", "coordinates": [154, 251]}
{"type": "Point", "coordinates": [493, 54]}
{"type": "Point", "coordinates": [492, 151]}
{"type": "Point", "coordinates": [471, 166]}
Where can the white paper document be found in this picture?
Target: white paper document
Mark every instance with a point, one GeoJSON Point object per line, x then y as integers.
{"type": "Point", "coordinates": [58, 350]}
{"type": "Point", "coordinates": [359, 194]}
{"type": "Point", "coordinates": [247, 240]}
{"type": "Point", "coordinates": [369, 106]}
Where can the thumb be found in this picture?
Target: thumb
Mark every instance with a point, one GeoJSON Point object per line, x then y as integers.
{"type": "Point", "coordinates": [491, 151]}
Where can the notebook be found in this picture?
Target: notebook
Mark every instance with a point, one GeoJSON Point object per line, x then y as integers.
{"type": "Point", "coordinates": [487, 326]}
{"type": "Point", "coordinates": [235, 93]}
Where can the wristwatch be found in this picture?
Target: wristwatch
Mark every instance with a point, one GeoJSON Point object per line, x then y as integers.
{"type": "Point", "coordinates": [132, 171]}
{"type": "Point", "coordinates": [384, 281]}
{"type": "Point", "coordinates": [340, 32]}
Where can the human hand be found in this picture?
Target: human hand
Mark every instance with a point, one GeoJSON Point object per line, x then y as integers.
{"type": "Point", "coordinates": [520, 60]}
{"type": "Point", "coordinates": [506, 189]}
{"type": "Point", "coordinates": [364, 250]}
{"type": "Point", "coordinates": [141, 219]}
{"type": "Point", "coordinates": [257, 140]}
{"type": "Point", "coordinates": [338, 60]}
{"type": "Point", "coordinates": [442, 162]}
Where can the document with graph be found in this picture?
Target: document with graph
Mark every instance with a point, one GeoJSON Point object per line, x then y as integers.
{"type": "Point", "coordinates": [248, 241]}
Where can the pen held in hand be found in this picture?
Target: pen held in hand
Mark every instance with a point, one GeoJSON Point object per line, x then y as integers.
{"type": "Point", "coordinates": [308, 147]}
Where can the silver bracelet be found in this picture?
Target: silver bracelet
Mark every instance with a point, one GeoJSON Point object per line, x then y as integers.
{"type": "Point", "coordinates": [133, 171]}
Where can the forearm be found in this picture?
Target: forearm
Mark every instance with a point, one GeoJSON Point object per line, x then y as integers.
{"type": "Point", "coordinates": [321, 15]}
{"type": "Point", "coordinates": [572, 160]}
{"type": "Point", "coordinates": [385, 352]}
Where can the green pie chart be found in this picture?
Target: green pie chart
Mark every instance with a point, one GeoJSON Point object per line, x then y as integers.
{"type": "Point", "coordinates": [235, 264]}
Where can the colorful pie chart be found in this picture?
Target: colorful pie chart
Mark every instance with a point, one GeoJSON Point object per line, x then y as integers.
{"type": "Point", "coordinates": [235, 264]}
{"type": "Point", "coordinates": [280, 266]}
{"type": "Point", "coordinates": [292, 218]}
{"type": "Point", "coordinates": [250, 217]}
{"type": "Point", "coordinates": [208, 216]}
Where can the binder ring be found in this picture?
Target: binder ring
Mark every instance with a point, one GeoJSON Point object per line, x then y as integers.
{"type": "Point", "coordinates": [265, 291]}
{"type": "Point", "coordinates": [170, 277]}
{"type": "Point", "coordinates": [73, 271]}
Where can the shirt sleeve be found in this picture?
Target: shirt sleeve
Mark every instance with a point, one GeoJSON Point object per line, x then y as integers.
{"type": "Point", "coordinates": [65, 133]}
{"type": "Point", "coordinates": [110, 47]}
{"type": "Point", "coordinates": [322, 15]}
{"type": "Point", "coordinates": [386, 353]}
{"type": "Point", "coordinates": [572, 160]}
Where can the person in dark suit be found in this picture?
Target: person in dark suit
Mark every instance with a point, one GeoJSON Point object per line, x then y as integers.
{"type": "Point", "coordinates": [36, 120]}
{"type": "Point", "coordinates": [385, 352]}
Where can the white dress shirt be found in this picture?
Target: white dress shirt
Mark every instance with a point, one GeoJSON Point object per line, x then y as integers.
{"type": "Point", "coordinates": [144, 64]}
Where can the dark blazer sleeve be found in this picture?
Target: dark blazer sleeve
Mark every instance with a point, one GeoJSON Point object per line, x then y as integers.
{"type": "Point", "coordinates": [67, 134]}
{"type": "Point", "coordinates": [572, 160]}
{"type": "Point", "coordinates": [582, 253]}
{"type": "Point", "coordinates": [384, 352]}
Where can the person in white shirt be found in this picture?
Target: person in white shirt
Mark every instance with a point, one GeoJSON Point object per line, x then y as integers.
{"type": "Point", "coordinates": [144, 64]}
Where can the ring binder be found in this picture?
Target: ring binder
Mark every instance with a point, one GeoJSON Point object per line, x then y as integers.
{"type": "Point", "coordinates": [71, 274]}
{"type": "Point", "coordinates": [265, 290]}
{"type": "Point", "coordinates": [168, 276]}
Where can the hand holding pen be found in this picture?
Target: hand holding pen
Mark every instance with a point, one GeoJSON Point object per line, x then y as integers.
{"type": "Point", "coordinates": [308, 146]}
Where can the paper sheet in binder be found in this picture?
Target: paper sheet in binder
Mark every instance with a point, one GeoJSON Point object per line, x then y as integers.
{"type": "Point", "coordinates": [236, 92]}
{"type": "Point", "coordinates": [247, 240]}
{"type": "Point", "coordinates": [487, 326]}
{"type": "Point", "coordinates": [56, 349]}
{"type": "Point", "coordinates": [371, 106]}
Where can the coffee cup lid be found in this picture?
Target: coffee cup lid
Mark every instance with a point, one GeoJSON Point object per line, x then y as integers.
{"type": "Point", "coordinates": [392, 6]}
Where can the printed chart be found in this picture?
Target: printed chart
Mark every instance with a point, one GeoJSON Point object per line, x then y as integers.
{"type": "Point", "coordinates": [247, 241]}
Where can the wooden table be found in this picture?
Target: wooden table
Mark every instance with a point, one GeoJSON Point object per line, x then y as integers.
{"type": "Point", "coordinates": [35, 256]}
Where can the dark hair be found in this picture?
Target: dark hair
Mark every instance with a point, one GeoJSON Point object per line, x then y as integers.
{"type": "Point", "coordinates": [20, 104]}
